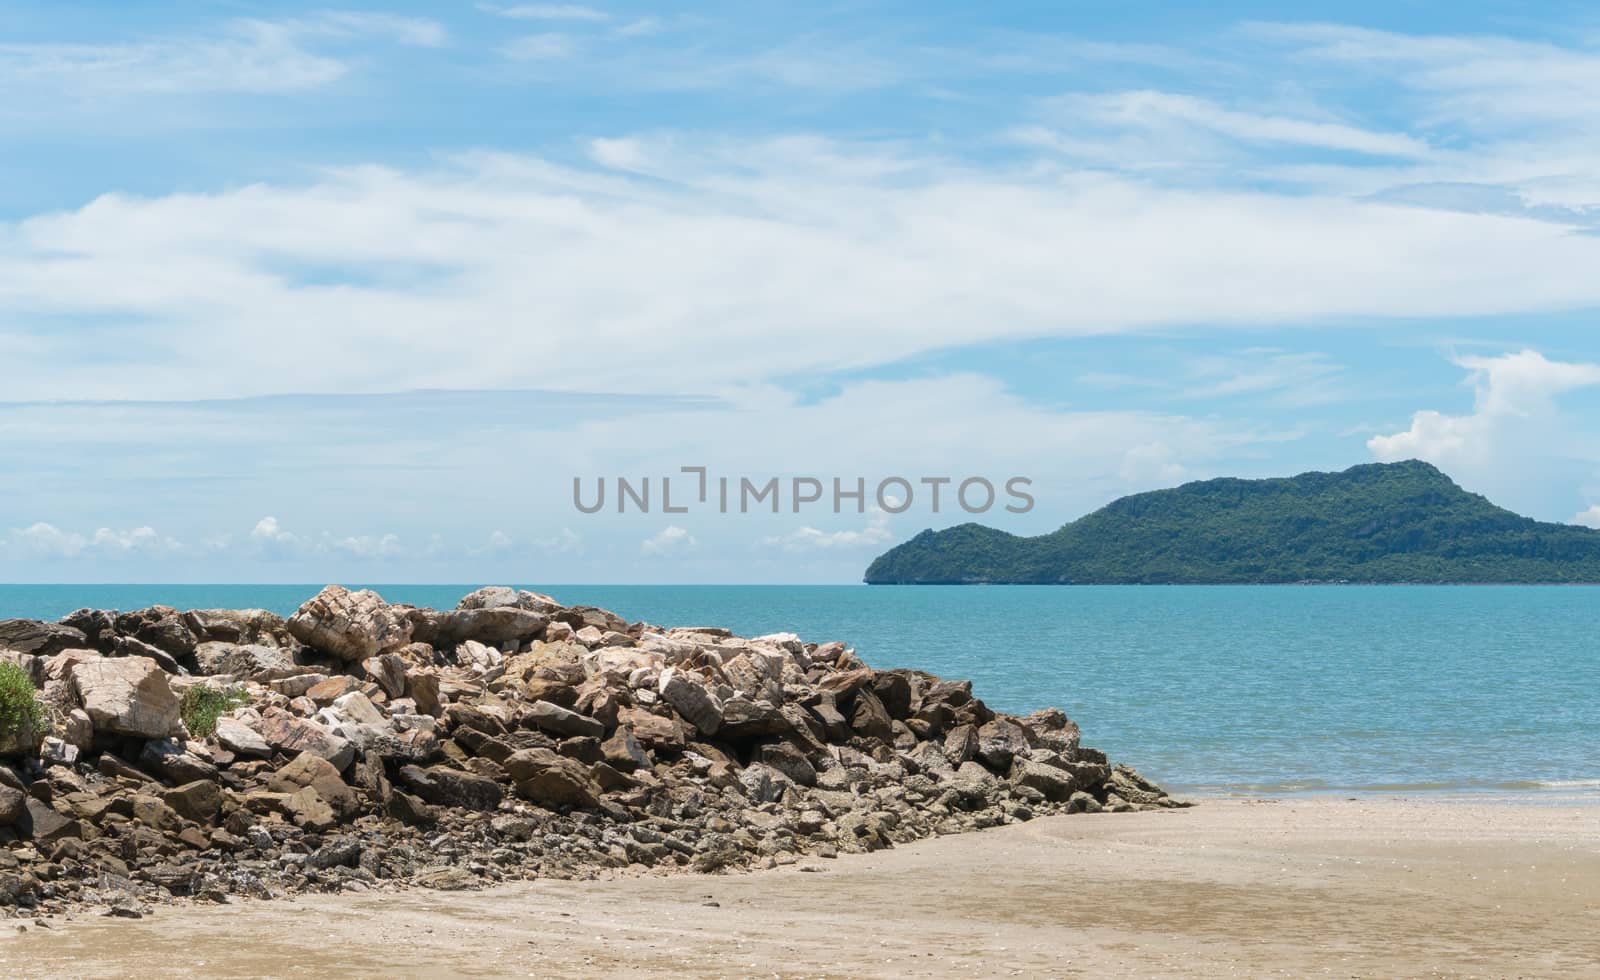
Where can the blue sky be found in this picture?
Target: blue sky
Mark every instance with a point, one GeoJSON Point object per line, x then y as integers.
{"type": "Point", "coordinates": [304, 293]}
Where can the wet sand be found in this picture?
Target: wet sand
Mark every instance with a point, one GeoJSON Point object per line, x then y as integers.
{"type": "Point", "coordinates": [1384, 887]}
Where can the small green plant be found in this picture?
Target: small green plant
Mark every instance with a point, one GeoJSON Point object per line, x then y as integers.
{"type": "Point", "coordinates": [20, 710]}
{"type": "Point", "coordinates": [202, 705]}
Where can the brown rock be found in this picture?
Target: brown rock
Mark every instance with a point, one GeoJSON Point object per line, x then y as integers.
{"type": "Point", "coordinates": [552, 779]}
{"type": "Point", "coordinates": [868, 717]}
{"type": "Point", "coordinates": [309, 769]}
{"type": "Point", "coordinates": [292, 735]}
{"type": "Point", "coordinates": [200, 801]}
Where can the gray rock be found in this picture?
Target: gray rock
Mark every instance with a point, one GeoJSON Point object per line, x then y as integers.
{"type": "Point", "coordinates": [39, 639]}
{"type": "Point", "coordinates": [554, 718]}
{"type": "Point", "coordinates": [451, 787]}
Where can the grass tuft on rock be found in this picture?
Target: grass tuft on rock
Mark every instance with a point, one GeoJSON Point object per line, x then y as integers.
{"type": "Point", "coordinates": [20, 710]}
{"type": "Point", "coordinates": [202, 705]}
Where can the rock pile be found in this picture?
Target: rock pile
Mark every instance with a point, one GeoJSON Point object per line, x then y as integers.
{"type": "Point", "coordinates": [510, 737]}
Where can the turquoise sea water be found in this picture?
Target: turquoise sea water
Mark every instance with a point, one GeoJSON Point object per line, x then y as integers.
{"type": "Point", "coordinates": [1208, 689]}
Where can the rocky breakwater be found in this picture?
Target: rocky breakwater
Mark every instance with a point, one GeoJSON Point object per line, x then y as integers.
{"type": "Point", "coordinates": [360, 743]}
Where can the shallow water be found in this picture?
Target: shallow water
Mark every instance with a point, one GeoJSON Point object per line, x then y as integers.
{"type": "Point", "coordinates": [1272, 689]}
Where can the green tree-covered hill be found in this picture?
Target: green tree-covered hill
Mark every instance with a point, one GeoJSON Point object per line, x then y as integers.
{"type": "Point", "coordinates": [1383, 522]}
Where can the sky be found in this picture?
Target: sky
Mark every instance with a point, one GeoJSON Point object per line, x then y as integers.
{"type": "Point", "coordinates": [305, 293]}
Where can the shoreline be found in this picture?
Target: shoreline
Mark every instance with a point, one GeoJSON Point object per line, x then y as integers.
{"type": "Point", "coordinates": [1370, 888]}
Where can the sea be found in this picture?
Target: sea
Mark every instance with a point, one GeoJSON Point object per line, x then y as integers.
{"type": "Point", "coordinates": [1210, 690]}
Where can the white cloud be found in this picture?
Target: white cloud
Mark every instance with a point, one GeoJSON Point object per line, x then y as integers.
{"type": "Point", "coordinates": [459, 278]}
{"type": "Point", "coordinates": [1589, 518]}
{"type": "Point", "coordinates": [1516, 445]}
{"type": "Point", "coordinates": [670, 540]}
{"type": "Point", "coordinates": [808, 539]}
{"type": "Point", "coordinates": [47, 542]}
{"type": "Point", "coordinates": [1511, 391]}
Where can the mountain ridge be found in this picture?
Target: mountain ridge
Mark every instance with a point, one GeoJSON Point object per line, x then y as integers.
{"type": "Point", "coordinates": [1404, 522]}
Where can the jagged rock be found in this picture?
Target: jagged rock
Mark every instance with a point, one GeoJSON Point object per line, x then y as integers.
{"type": "Point", "coordinates": [99, 627]}
{"type": "Point", "coordinates": [554, 718]}
{"type": "Point", "coordinates": [388, 672]}
{"type": "Point", "coordinates": [308, 769]}
{"type": "Point", "coordinates": [351, 626]}
{"type": "Point", "coordinates": [11, 806]}
{"type": "Point", "coordinates": [161, 627]}
{"type": "Point", "coordinates": [309, 810]}
{"type": "Point", "coordinates": [172, 761]}
{"type": "Point", "coordinates": [893, 689]}
{"type": "Point", "coordinates": [126, 696]}
{"type": "Point", "coordinates": [492, 626]}
{"type": "Point", "coordinates": [128, 646]}
{"type": "Point", "coordinates": [869, 719]}
{"type": "Point", "coordinates": [241, 739]}
{"type": "Point", "coordinates": [623, 752]}
{"type": "Point", "coordinates": [788, 760]}
{"type": "Point", "coordinates": [39, 639]}
{"type": "Point", "coordinates": [44, 824]}
{"type": "Point", "coordinates": [253, 660]}
{"type": "Point", "coordinates": [1000, 741]}
{"type": "Point", "coordinates": [742, 719]}
{"type": "Point", "coordinates": [245, 627]}
{"type": "Point", "coordinates": [200, 801]}
{"type": "Point", "coordinates": [689, 697]}
{"type": "Point", "coordinates": [1057, 785]}
{"type": "Point", "coordinates": [452, 787]}
{"type": "Point", "coordinates": [553, 779]}
{"type": "Point", "coordinates": [961, 744]}
{"type": "Point", "coordinates": [286, 733]}
{"type": "Point", "coordinates": [422, 686]}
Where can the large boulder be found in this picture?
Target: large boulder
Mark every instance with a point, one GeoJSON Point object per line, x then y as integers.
{"type": "Point", "coordinates": [451, 787]}
{"type": "Point", "coordinates": [126, 696]}
{"type": "Point", "coordinates": [312, 770]}
{"type": "Point", "coordinates": [494, 626]}
{"type": "Point", "coordinates": [547, 777]}
{"type": "Point", "coordinates": [497, 596]}
{"type": "Point", "coordinates": [292, 735]}
{"type": "Point", "coordinates": [162, 627]}
{"type": "Point", "coordinates": [561, 721]}
{"type": "Point", "coordinates": [691, 699]}
{"type": "Point", "coordinates": [351, 626]}
{"type": "Point", "coordinates": [39, 639]}
{"type": "Point", "coordinates": [1000, 741]}
{"type": "Point", "coordinates": [242, 626]}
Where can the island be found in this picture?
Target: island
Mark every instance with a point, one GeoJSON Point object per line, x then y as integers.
{"type": "Point", "coordinates": [1403, 522]}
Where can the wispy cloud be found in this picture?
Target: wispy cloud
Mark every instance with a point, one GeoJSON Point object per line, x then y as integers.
{"type": "Point", "coordinates": [1179, 114]}
{"type": "Point", "coordinates": [546, 11]}
{"type": "Point", "coordinates": [549, 46]}
{"type": "Point", "coordinates": [244, 56]}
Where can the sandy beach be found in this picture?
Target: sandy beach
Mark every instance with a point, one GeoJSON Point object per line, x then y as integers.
{"type": "Point", "coordinates": [1382, 887]}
